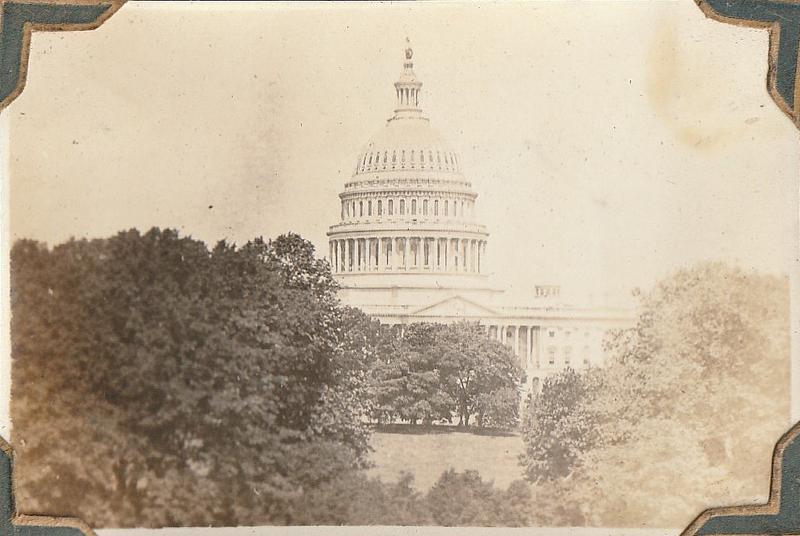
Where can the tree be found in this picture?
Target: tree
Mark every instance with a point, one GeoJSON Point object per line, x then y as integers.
{"type": "Point", "coordinates": [406, 385]}
{"type": "Point", "coordinates": [182, 375]}
{"type": "Point", "coordinates": [707, 356]}
{"type": "Point", "coordinates": [472, 367]}
{"type": "Point", "coordinates": [559, 426]}
{"type": "Point", "coordinates": [435, 371]}
{"type": "Point", "coordinates": [464, 499]}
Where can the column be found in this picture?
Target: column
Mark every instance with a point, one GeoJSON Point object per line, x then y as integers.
{"type": "Point", "coordinates": [395, 248]}
{"type": "Point", "coordinates": [528, 348]}
{"type": "Point", "coordinates": [378, 264]}
{"type": "Point", "coordinates": [437, 264]}
{"type": "Point", "coordinates": [539, 342]}
{"type": "Point", "coordinates": [364, 253]}
{"type": "Point", "coordinates": [470, 255]}
{"type": "Point", "coordinates": [373, 264]}
{"type": "Point", "coordinates": [456, 256]}
{"type": "Point", "coordinates": [406, 264]}
{"type": "Point", "coordinates": [516, 341]}
{"type": "Point", "coordinates": [347, 265]}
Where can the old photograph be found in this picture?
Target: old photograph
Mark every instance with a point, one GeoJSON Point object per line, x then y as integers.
{"type": "Point", "coordinates": [454, 264]}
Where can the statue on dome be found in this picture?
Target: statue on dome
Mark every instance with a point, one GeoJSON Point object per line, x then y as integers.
{"type": "Point", "coordinates": [409, 53]}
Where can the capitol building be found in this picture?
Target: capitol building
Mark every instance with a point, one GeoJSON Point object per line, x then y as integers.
{"type": "Point", "coordinates": [409, 247]}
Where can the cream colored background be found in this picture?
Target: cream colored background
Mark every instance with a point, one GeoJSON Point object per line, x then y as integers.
{"type": "Point", "coordinates": [609, 143]}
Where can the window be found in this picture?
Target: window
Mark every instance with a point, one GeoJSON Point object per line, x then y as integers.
{"type": "Point", "coordinates": [394, 157]}
{"type": "Point", "coordinates": [445, 207]}
{"type": "Point", "coordinates": [370, 159]}
{"type": "Point", "coordinates": [422, 156]}
{"type": "Point", "coordinates": [369, 208]}
{"type": "Point", "coordinates": [402, 206]}
{"type": "Point", "coordinates": [436, 208]}
{"type": "Point", "coordinates": [586, 356]}
{"type": "Point", "coordinates": [403, 156]}
{"type": "Point", "coordinates": [567, 355]}
{"type": "Point", "coordinates": [377, 158]}
{"type": "Point", "coordinates": [413, 207]}
{"type": "Point", "coordinates": [380, 207]}
{"type": "Point", "coordinates": [385, 157]}
{"type": "Point", "coordinates": [551, 355]}
{"type": "Point", "coordinates": [425, 207]}
{"type": "Point", "coordinates": [391, 207]}
{"type": "Point", "coordinates": [462, 209]}
{"type": "Point", "coordinates": [360, 208]}
{"type": "Point", "coordinates": [412, 156]}
{"type": "Point", "coordinates": [552, 333]}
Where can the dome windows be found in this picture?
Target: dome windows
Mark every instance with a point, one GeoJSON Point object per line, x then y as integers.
{"type": "Point", "coordinates": [424, 207]}
{"type": "Point", "coordinates": [446, 203]}
{"type": "Point", "coordinates": [380, 207]}
{"type": "Point", "coordinates": [413, 207]}
{"type": "Point", "coordinates": [402, 207]}
{"type": "Point", "coordinates": [391, 207]}
{"type": "Point", "coordinates": [436, 208]}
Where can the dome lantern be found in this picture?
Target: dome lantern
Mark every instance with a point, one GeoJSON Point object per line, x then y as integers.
{"type": "Point", "coordinates": [407, 89]}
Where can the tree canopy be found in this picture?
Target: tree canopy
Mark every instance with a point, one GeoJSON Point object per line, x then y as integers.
{"type": "Point", "coordinates": [182, 375]}
{"type": "Point", "coordinates": [435, 371]}
{"type": "Point", "coordinates": [693, 398]}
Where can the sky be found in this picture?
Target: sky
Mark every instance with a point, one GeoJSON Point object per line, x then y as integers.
{"type": "Point", "coordinates": [609, 143]}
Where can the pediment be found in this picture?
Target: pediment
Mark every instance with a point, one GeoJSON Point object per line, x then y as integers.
{"type": "Point", "coordinates": [456, 306]}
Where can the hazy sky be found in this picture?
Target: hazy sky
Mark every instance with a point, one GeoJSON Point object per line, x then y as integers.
{"type": "Point", "coordinates": [609, 143]}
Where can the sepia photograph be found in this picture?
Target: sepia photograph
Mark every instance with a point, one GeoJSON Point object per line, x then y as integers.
{"type": "Point", "coordinates": [519, 264]}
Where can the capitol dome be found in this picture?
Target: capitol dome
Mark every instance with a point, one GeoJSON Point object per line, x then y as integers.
{"type": "Point", "coordinates": [408, 216]}
{"type": "Point", "coordinates": [407, 143]}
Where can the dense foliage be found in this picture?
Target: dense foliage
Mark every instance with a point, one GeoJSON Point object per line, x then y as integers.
{"type": "Point", "coordinates": [436, 371]}
{"type": "Point", "coordinates": [684, 416]}
{"type": "Point", "coordinates": [456, 499]}
{"type": "Point", "coordinates": [193, 386]}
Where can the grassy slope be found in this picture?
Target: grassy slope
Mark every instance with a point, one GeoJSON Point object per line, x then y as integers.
{"type": "Point", "coordinates": [426, 455]}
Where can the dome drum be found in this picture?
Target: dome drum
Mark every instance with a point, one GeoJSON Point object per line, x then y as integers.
{"type": "Point", "coordinates": [405, 253]}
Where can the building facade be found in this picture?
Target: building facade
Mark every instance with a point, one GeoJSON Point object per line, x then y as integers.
{"type": "Point", "coordinates": [409, 248]}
